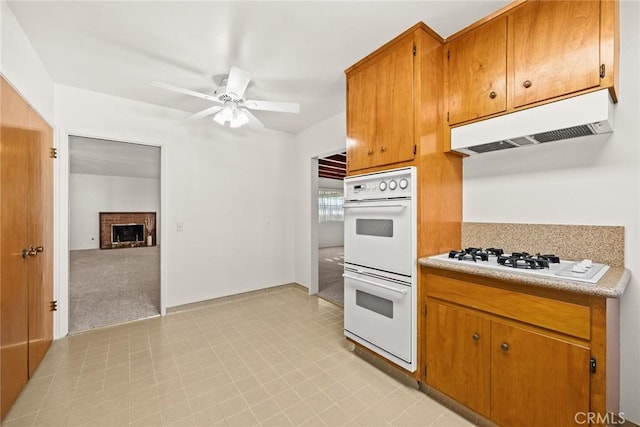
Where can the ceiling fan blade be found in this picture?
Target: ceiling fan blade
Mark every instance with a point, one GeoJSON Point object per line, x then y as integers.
{"type": "Point", "coordinates": [253, 120]}
{"type": "Point", "coordinates": [238, 81]}
{"type": "Point", "coordinates": [207, 112]}
{"type": "Point", "coordinates": [282, 107]}
{"type": "Point", "coordinates": [185, 91]}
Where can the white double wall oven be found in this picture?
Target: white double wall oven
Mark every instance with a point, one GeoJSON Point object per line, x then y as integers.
{"type": "Point", "coordinates": [380, 254]}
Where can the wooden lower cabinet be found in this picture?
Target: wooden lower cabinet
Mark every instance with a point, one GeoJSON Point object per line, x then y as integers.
{"type": "Point", "coordinates": [515, 376]}
{"type": "Point", "coordinates": [487, 347]}
{"type": "Point", "coordinates": [536, 380]}
{"type": "Point", "coordinates": [458, 355]}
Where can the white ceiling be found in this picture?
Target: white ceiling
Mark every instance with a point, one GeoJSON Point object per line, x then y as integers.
{"type": "Point", "coordinates": [296, 50]}
{"type": "Point", "coordinates": [92, 156]}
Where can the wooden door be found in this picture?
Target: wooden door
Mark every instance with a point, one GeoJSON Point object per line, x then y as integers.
{"type": "Point", "coordinates": [361, 117]}
{"type": "Point", "coordinates": [458, 346]}
{"type": "Point", "coordinates": [394, 105]}
{"type": "Point", "coordinates": [40, 232]}
{"type": "Point", "coordinates": [556, 49]}
{"type": "Point", "coordinates": [477, 71]}
{"type": "Point", "coordinates": [536, 380]}
{"type": "Point", "coordinates": [26, 283]}
{"type": "Point", "coordinates": [14, 189]}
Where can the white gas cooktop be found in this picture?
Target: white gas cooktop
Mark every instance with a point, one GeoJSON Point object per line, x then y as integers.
{"type": "Point", "coordinates": [580, 271]}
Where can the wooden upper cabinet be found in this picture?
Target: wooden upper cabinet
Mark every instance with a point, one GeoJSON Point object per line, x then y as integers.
{"type": "Point", "coordinates": [477, 72]}
{"type": "Point", "coordinates": [556, 49]}
{"type": "Point", "coordinates": [361, 117]}
{"type": "Point", "coordinates": [395, 105]}
{"type": "Point", "coordinates": [534, 52]}
{"type": "Point", "coordinates": [380, 107]}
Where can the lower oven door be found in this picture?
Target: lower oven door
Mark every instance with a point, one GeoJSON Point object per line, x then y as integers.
{"type": "Point", "coordinates": [380, 313]}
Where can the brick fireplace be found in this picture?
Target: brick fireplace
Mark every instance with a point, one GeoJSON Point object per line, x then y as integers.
{"type": "Point", "coordinates": [128, 226]}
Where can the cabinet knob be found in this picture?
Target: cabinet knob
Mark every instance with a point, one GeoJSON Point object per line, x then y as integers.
{"type": "Point", "coordinates": [492, 95]}
{"type": "Point", "coordinates": [369, 152]}
{"type": "Point", "coordinates": [526, 84]}
{"type": "Point", "coordinates": [504, 346]}
{"type": "Point", "coordinates": [382, 149]}
{"type": "Point", "coordinates": [475, 336]}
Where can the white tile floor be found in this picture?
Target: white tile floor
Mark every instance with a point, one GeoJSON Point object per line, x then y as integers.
{"type": "Point", "coordinates": [276, 358]}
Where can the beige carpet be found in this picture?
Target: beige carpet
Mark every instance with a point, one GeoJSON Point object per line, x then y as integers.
{"type": "Point", "coordinates": [111, 286]}
{"type": "Point", "coordinates": [330, 269]}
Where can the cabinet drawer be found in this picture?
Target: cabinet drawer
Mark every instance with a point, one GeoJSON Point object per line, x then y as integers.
{"type": "Point", "coordinates": [560, 316]}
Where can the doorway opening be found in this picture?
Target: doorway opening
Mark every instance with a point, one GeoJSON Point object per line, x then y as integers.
{"type": "Point", "coordinates": [114, 237]}
{"type": "Point", "coordinates": [331, 172]}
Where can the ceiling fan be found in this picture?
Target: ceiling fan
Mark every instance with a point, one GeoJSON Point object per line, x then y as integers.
{"type": "Point", "coordinates": [233, 108]}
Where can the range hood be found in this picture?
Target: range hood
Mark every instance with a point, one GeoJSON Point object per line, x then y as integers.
{"type": "Point", "coordinates": [581, 115]}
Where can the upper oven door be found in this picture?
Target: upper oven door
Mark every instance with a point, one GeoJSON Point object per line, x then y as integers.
{"type": "Point", "coordinates": [378, 234]}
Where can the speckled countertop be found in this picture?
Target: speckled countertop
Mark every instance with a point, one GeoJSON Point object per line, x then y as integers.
{"type": "Point", "coordinates": [612, 284]}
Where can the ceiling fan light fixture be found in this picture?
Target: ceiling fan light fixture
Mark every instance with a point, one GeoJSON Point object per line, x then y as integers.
{"type": "Point", "coordinates": [239, 119]}
{"type": "Point", "coordinates": [231, 105]}
{"type": "Point", "coordinates": [230, 113]}
{"type": "Point", "coordinates": [219, 118]}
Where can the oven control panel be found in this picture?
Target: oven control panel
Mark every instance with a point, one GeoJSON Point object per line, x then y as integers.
{"type": "Point", "coordinates": [390, 184]}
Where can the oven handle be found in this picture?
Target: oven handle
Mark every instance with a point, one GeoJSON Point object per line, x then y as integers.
{"type": "Point", "coordinates": [357, 205]}
{"type": "Point", "coordinates": [368, 282]}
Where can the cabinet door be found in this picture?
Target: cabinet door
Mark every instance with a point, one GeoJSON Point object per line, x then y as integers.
{"type": "Point", "coordinates": [361, 117]}
{"type": "Point", "coordinates": [458, 347]}
{"type": "Point", "coordinates": [394, 105]}
{"type": "Point", "coordinates": [477, 70]}
{"type": "Point", "coordinates": [536, 380]}
{"type": "Point", "coordinates": [556, 49]}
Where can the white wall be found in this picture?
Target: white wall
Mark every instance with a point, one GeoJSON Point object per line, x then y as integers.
{"type": "Point", "coordinates": [593, 181]}
{"type": "Point", "coordinates": [330, 234]}
{"type": "Point", "coordinates": [326, 137]}
{"type": "Point", "coordinates": [22, 67]}
{"type": "Point", "coordinates": [232, 190]}
{"type": "Point", "coordinates": [91, 194]}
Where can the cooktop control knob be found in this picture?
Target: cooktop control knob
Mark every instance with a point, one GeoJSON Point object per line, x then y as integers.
{"type": "Point", "coordinates": [382, 185]}
{"type": "Point", "coordinates": [393, 184]}
{"type": "Point", "coordinates": [403, 183]}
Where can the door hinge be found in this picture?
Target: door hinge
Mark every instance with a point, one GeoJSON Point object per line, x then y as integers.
{"type": "Point", "coordinates": [53, 153]}
{"type": "Point", "coordinates": [448, 54]}
{"type": "Point", "coordinates": [54, 306]}
{"type": "Point", "coordinates": [447, 117]}
{"type": "Point", "coordinates": [424, 371]}
{"type": "Point", "coordinates": [593, 364]}
{"type": "Point", "coordinates": [425, 309]}
{"type": "Point", "coordinates": [415, 149]}
{"type": "Point", "coordinates": [602, 71]}
{"type": "Point", "coordinates": [414, 50]}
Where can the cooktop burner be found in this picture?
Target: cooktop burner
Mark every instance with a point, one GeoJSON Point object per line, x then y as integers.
{"type": "Point", "coordinates": [525, 260]}
{"type": "Point", "coordinates": [536, 264]}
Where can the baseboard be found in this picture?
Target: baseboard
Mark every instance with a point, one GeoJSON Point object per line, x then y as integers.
{"type": "Point", "coordinates": [234, 298]}
{"type": "Point", "coordinates": [455, 406]}
{"type": "Point", "coordinates": [383, 365]}
{"type": "Point", "coordinates": [481, 421]}
{"type": "Point", "coordinates": [628, 423]}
